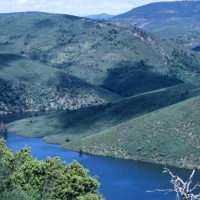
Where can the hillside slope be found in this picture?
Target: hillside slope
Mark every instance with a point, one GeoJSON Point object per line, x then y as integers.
{"type": "Point", "coordinates": [177, 20]}
{"type": "Point", "coordinates": [169, 136]}
{"type": "Point", "coordinates": [110, 55]}
{"type": "Point", "coordinates": [163, 11]}
{"type": "Point", "coordinates": [26, 85]}
{"type": "Point", "coordinates": [80, 123]}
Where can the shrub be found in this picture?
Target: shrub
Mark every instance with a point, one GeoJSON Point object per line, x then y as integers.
{"type": "Point", "coordinates": [47, 179]}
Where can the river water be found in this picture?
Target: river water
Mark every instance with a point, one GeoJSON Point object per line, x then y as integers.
{"type": "Point", "coordinates": [120, 179]}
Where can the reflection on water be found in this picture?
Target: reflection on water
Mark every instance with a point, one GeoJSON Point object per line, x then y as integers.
{"type": "Point", "coordinates": [120, 179]}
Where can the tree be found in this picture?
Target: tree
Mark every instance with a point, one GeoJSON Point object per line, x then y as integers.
{"type": "Point", "coordinates": [47, 179]}
{"type": "Point", "coordinates": [181, 188]}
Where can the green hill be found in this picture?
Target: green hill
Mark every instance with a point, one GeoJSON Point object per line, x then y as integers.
{"type": "Point", "coordinates": [114, 56]}
{"type": "Point", "coordinates": [50, 61]}
{"type": "Point", "coordinates": [177, 20]}
{"type": "Point", "coordinates": [83, 122]}
{"type": "Point", "coordinates": [169, 136]}
{"type": "Point", "coordinates": [26, 85]}
{"type": "Point", "coordinates": [160, 127]}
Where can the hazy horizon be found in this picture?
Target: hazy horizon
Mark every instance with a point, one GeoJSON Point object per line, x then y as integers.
{"type": "Point", "coordinates": [76, 7]}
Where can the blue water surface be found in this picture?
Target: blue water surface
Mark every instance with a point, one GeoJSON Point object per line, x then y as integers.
{"type": "Point", "coordinates": [120, 179]}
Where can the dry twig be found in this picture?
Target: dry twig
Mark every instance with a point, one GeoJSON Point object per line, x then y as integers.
{"type": "Point", "coordinates": [181, 188]}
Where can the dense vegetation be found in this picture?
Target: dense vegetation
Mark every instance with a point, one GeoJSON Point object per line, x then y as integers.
{"type": "Point", "coordinates": [91, 50]}
{"type": "Point", "coordinates": [26, 85]}
{"type": "Point", "coordinates": [25, 178]}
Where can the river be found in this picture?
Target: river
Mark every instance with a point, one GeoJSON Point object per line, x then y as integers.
{"type": "Point", "coordinates": [120, 179]}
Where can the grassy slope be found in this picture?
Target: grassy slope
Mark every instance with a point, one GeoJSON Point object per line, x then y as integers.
{"type": "Point", "coordinates": [26, 85]}
{"type": "Point", "coordinates": [110, 55]}
{"type": "Point", "coordinates": [80, 123]}
{"type": "Point", "coordinates": [169, 136]}
{"type": "Point", "coordinates": [116, 57]}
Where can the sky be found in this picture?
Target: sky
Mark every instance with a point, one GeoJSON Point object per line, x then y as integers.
{"type": "Point", "coordinates": [73, 7]}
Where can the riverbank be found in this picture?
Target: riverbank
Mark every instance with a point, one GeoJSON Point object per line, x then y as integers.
{"type": "Point", "coordinates": [124, 129]}
{"type": "Point", "coordinates": [120, 179]}
{"type": "Point", "coordinates": [169, 136]}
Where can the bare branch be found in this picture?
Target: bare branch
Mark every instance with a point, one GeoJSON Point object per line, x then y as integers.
{"type": "Point", "coordinates": [180, 187]}
{"type": "Point", "coordinates": [160, 190]}
{"type": "Point", "coordinates": [190, 180]}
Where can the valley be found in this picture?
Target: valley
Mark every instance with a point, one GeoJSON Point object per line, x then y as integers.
{"type": "Point", "coordinates": [115, 89]}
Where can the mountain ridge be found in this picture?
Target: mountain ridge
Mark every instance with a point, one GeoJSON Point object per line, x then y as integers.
{"type": "Point", "coordinates": [102, 16]}
{"type": "Point", "coordinates": [140, 80]}
{"type": "Point", "coordinates": [162, 11]}
{"type": "Point", "coordinates": [98, 51]}
{"type": "Point", "coordinates": [161, 18]}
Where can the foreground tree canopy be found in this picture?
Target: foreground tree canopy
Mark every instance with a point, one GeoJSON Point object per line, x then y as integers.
{"type": "Point", "coordinates": [25, 178]}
